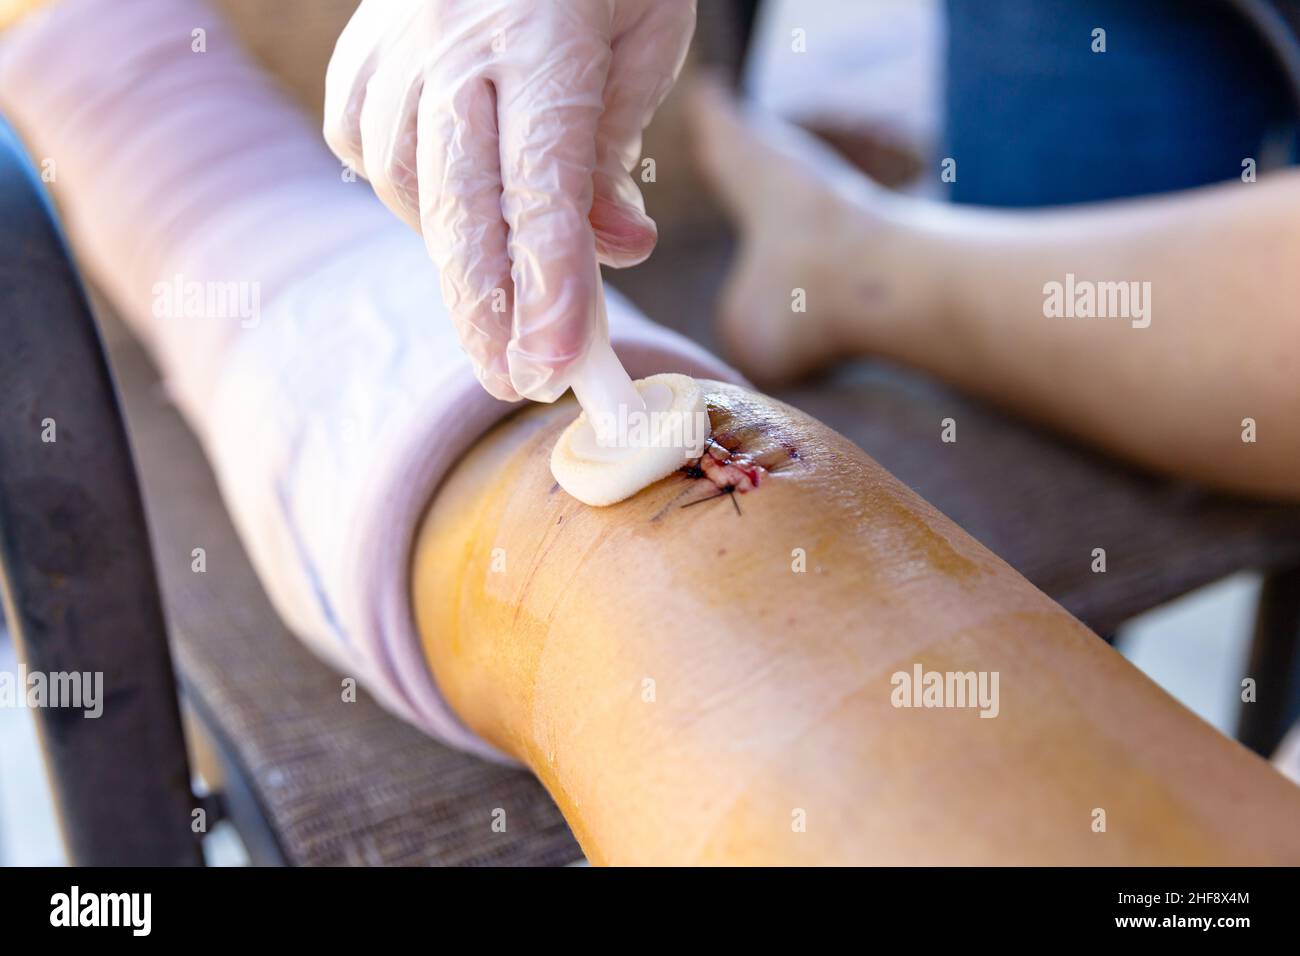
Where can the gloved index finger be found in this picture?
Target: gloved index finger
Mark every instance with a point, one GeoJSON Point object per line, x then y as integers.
{"type": "Point", "coordinates": [458, 159]}
{"type": "Point", "coordinates": [549, 106]}
{"type": "Point", "coordinates": [355, 58]}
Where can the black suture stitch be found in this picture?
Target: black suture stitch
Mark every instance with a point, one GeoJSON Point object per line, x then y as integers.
{"type": "Point", "coordinates": [700, 501]}
{"type": "Point", "coordinates": [694, 470]}
{"type": "Point", "coordinates": [729, 491]}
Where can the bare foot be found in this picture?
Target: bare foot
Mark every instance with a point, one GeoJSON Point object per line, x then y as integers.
{"type": "Point", "coordinates": [824, 253]}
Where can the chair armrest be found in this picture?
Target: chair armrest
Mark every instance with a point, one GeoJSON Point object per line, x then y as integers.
{"type": "Point", "coordinates": [76, 566]}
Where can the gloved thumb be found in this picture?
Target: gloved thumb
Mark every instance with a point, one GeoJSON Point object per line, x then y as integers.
{"type": "Point", "coordinates": [625, 235]}
{"type": "Point", "coordinates": [646, 60]}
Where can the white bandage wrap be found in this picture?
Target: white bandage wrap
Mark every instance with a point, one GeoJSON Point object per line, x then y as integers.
{"type": "Point", "coordinates": [332, 406]}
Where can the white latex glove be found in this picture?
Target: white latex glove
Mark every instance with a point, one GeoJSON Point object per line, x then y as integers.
{"type": "Point", "coordinates": [506, 131]}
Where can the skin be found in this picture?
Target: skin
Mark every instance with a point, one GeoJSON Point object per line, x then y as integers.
{"type": "Point", "coordinates": [772, 688]}
{"type": "Point", "coordinates": [959, 292]}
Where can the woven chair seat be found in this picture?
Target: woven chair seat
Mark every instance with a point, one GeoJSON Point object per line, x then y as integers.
{"type": "Point", "coordinates": [334, 782]}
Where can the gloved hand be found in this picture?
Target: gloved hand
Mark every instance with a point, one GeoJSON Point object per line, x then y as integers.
{"type": "Point", "coordinates": [506, 131]}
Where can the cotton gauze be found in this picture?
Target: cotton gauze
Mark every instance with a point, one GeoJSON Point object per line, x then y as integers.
{"type": "Point", "coordinates": [639, 449]}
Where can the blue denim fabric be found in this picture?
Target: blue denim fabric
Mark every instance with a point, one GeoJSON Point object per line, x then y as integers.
{"type": "Point", "coordinates": [1185, 90]}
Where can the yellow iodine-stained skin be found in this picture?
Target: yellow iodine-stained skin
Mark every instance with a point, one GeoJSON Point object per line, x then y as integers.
{"type": "Point", "coordinates": [702, 673]}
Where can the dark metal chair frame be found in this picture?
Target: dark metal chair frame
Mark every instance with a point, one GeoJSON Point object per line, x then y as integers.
{"type": "Point", "coordinates": [76, 565]}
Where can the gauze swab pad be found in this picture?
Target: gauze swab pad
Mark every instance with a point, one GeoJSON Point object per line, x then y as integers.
{"type": "Point", "coordinates": [630, 434]}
